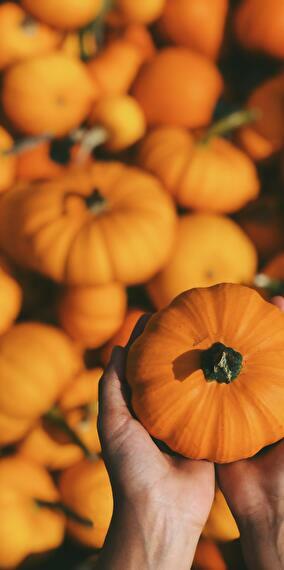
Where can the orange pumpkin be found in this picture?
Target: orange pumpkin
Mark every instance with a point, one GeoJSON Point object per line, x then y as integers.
{"type": "Point", "coordinates": [79, 405]}
{"type": "Point", "coordinates": [86, 489]}
{"type": "Point", "coordinates": [140, 37]}
{"type": "Point", "coordinates": [91, 315]}
{"type": "Point", "coordinates": [209, 249]}
{"type": "Point", "coordinates": [208, 556]}
{"type": "Point", "coordinates": [25, 527]}
{"type": "Point", "coordinates": [81, 44]}
{"type": "Point", "coordinates": [70, 15]}
{"type": "Point", "coordinates": [259, 26]}
{"type": "Point", "coordinates": [10, 297]}
{"type": "Point", "coordinates": [197, 25]}
{"type": "Point", "coordinates": [57, 97]}
{"type": "Point", "coordinates": [8, 162]}
{"type": "Point", "coordinates": [210, 175]}
{"type": "Point", "coordinates": [221, 525]}
{"type": "Point", "coordinates": [206, 356]}
{"type": "Point", "coordinates": [36, 364]}
{"type": "Point", "coordinates": [178, 87]}
{"type": "Point", "coordinates": [22, 37]}
{"type": "Point", "coordinates": [254, 144]}
{"type": "Point", "coordinates": [37, 164]}
{"type": "Point", "coordinates": [122, 336]}
{"type": "Point", "coordinates": [74, 234]}
{"type": "Point", "coordinates": [275, 267]}
{"type": "Point", "coordinates": [143, 11]}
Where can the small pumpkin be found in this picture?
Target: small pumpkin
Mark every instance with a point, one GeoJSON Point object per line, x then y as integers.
{"type": "Point", "coordinates": [10, 297]}
{"type": "Point", "coordinates": [37, 164]}
{"type": "Point", "coordinates": [275, 267]}
{"type": "Point", "coordinates": [91, 227]}
{"type": "Point", "coordinates": [259, 26]}
{"type": "Point", "coordinates": [71, 15]}
{"type": "Point", "coordinates": [91, 315]}
{"type": "Point", "coordinates": [206, 173]}
{"type": "Point", "coordinates": [123, 334]}
{"type": "Point", "coordinates": [209, 249]}
{"type": "Point", "coordinates": [221, 525]}
{"type": "Point", "coordinates": [206, 356]}
{"type": "Point", "coordinates": [143, 11]}
{"type": "Point", "coordinates": [254, 144]}
{"type": "Point", "coordinates": [56, 99]}
{"type": "Point", "coordinates": [8, 162]}
{"type": "Point", "coordinates": [36, 364]}
{"type": "Point", "coordinates": [178, 87]}
{"type": "Point", "coordinates": [86, 489]}
{"type": "Point", "coordinates": [208, 556]}
{"type": "Point", "coordinates": [25, 526]}
{"type": "Point", "coordinates": [197, 25]}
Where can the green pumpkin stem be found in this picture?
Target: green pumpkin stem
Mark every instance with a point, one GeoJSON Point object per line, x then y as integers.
{"type": "Point", "coordinates": [221, 363]}
{"type": "Point", "coordinates": [59, 507]}
{"type": "Point", "coordinates": [230, 123]}
{"type": "Point", "coordinates": [56, 418]}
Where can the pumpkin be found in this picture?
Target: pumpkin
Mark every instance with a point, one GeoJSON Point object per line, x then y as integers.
{"type": "Point", "coordinates": [96, 225]}
{"type": "Point", "coordinates": [208, 556]}
{"type": "Point", "coordinates": [209, 249]}
{"type": "Point", "coordinates": [205, 174]}
{"type": "Point", "coordinates": [81, 44]}
{"type": "Point", "coordinates": [123, 334]}
{"type": "Point", "coordinates": [197, 25]}
{"type": "Point", "coordinates": [259, 26]}
{"type": "Point", "coordinates": [275, 267]}
{"type": "Point", "coordinates": [86, 489]}
{"type": "Point", "coordinates": [10, 297]}
{"type": "Point", "coordinates": [120, 122]}
{"type": "Point", "coordinates": [206, 356]}
{"type": "Point", "coordinates": [221, 525]}
{"type": "Point", "coordinates": [254, 144]}
{"type": "Point", "coordinates": [56, 99]}
{"type": "Point", "coordinates": [91, 315]}
{"type": "Point", "coordinates": [8, 161]}
{"type": "Point", "coordinates": [79, 406]}
{"type": "Point", "coordinates": [37, 164]}
{"type": "Point", "coordinates": [72, 13]}
{"type": "Point", "coordinates": [36, 363]}
{"type": "Point", "coordinates": [178, 87]}
{"type": "Point", "coordinates": [22, 37]}
{"type": "Point", "coordinates": [140, 37]}
{"type": "Point", "coordinates": [143, 11]}
{"type": "Point", "coordinates": [25, 527]}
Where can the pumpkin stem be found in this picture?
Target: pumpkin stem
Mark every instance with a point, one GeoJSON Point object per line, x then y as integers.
{"type": "Point", "coordinates": [61, 508]}
{"type": "Point", "coordinates": [96, 203]}
{"type": "Point", "coordinates": [56, 417]}
{"type": "Point", "coordinates": [230, 123]}
{"type": "Point", "coordinates": [271, 285]}
{"type": "Point", "coordinates": [90, 140]}
{"type": "Point", "coordinates": [29, 25]}
{"type": "Point", "coordinates": [26, 144]}
{"type": "Point", "coordinates": [221, 363]}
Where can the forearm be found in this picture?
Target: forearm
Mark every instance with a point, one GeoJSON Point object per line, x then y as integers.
{"type": "Point", "coordinates": [263, 544]}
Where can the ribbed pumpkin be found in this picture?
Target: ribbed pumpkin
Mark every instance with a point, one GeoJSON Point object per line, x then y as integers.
{"type": "Point", "coordinates": [91, 315]}
{"type": "Point", "coordinates": [178, 87]}
{"type": "Point", "coordinates": [25, 527]}
{"type": "Point", "coordinates": [57, 97]}
{"type": "Point", "coordinates": [101, 224]}
{"type": "Point", "coordinates": [123, 334]}
{"type": "Point", "coordinates": [86, 489]}
{"type": "Point", "coordinates": [259, 26]}
{"type": "Point", "coordinates": [208, 556]}
{"type": "Point", "coordinates": [198, 374]}
{"type": "Point", "coordinates": [8, 162]}
{"type": "Point", "coordinates": [209, 249]}
{"type": "Point", "coordinates": [210, 175]}
{"type": "Point", "coordinates": [221, 525]}
{"type": "Point", "coordinates": [36, 364]}
{"type": "Point", "coordinates": [10, 297]}
{"type": "Point", "coordinates": [197, 25]}
{"type": "Point", "coordinates": [69, 15]}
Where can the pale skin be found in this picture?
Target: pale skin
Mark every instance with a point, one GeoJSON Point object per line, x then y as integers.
{"type": "Point", "coordinates": [162, 502]}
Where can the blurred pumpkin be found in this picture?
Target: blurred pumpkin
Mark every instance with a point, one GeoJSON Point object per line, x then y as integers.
{"type": "Point", "coordinates": [46, 443]}
{"type": "Point", "coordinates": [91, 315]}
{"type": "Point", "coordinates": [140, 37]}
{"type": "Point", "coordinates": [221, 525]}
{"type": "Point", "coordinates": [69, 15]}
{"type": "Point", "coordinates": [96, 225]}
{"type": "Point", "coordinates": [198, 374]}
{"type": "Point", "coordinates": [37, 164]}
{"type": "Point", "coordinates": [208, 556]}
{"type": "Point", "coordinates": [197, 25]}
{"type": "Point", "coordinates": [123, 334]}
{"type": "Point", "coordinates": [8, 162]}
{"type": "Point", "coordinates": [26, 527]}
{"type": "Point", "coordinates": [10, 297]}
{"type": "Point", "coordinates": [254, 144]}
{"type": "Point", "coordinates": [22, 37]}
{"type": "Point", "coordinates": [178, 87]}
{"type": "Point", "coordinates": [206, 173]}
{"type": "Point", "coordinates": [81, 44]}
{"type": "Point", "coordinates": [259, 26]}
{"type": "Point", "coordinates": [275, 267]}
{"type": "Point", "coordinates": [57, 97]}
{"type": "Point", "coordinates": [86, 489]}
{"type": "Point", "coordinates": [143, 11]}
{"type": "Point", "coordinates": [36, 363]}
{"type": "Point", "coordinates": [209, 249]}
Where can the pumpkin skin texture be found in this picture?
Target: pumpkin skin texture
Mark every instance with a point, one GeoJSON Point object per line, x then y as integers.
{"type": "Point", "coordinates": [69, 233]}
{"type": "Point", "coordinates": [26, 528]}
{"type": "Point", "coordinates": [197, 25]}
{"type": "Point", "coordinates": [22, 37]}
{"type": "Point", "coordinates": [259, 26]}
{"type": "Point", "coordinates": [10, 298]}
{"type": "Point", "coordinates": [56, 99]}
{"type": "Point", "coordinates": [122, 336]}
{"type": "Point", "coordinates": [174, 388]}
{"type": "Point", "coordinates": [86, 488]}
{"type": "Point", "coordinates": [8, 162]}
{"type": "Point", "coordinates": [91, 315]}
{"type": "Point", "coordinates": [221, 525]}
{"type": "Point", "coordinates": [210, 176]}
{"type": "Point", "coordinates": [72, 13]}
{"type": "Point", "coordinates": [208, 556]}
{"type": "Point", "coordinates": [178, 87]}
{"type": "Point", "coordinates": [209, 249]}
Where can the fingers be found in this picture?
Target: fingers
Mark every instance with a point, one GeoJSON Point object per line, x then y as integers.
{"type": "Point", "coordinates": [278, 302]}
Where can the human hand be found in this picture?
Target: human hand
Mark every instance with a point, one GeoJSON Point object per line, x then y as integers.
{"type": "Point", "coordinates": [161, 501]}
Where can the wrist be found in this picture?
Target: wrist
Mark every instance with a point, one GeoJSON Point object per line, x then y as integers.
{"type": "Point", "coordinates": [262, 538]}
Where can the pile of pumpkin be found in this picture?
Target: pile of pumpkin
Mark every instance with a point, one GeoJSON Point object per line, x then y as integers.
{"type": "Point", "coordinates": [119, 190]}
